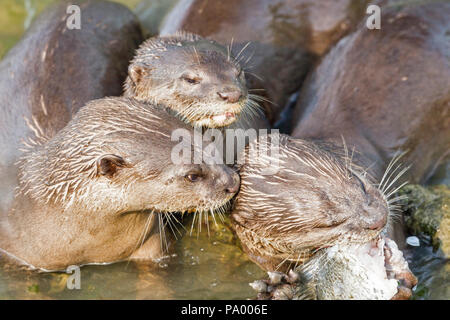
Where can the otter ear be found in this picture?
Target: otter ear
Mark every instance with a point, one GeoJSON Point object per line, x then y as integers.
{"type": "Point", "coordinates": [107, 165]}
{"type": "Point", "coordinates": [137, 73]}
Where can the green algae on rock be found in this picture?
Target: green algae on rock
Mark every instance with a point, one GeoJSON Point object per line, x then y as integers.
{"type": "Point", "coordinates": [427, 211]}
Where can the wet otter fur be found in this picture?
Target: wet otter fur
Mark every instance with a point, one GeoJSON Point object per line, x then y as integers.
{"type": "Point", "coordinates": [97, 190]}
{"type": "Point", "coordinates": [316, 197]}
{"type": "Point", "coordinates": [196, 78]}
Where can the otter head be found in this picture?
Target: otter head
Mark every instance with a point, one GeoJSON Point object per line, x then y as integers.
{"type": "Point", "coordinates": [103, 178]}
{"type": "Point", "coordinates": [196, 78]}
{"type": "Point", "coordinates": [313, 198]}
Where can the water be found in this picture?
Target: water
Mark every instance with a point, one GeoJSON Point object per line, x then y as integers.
{"type": "Point", "coordinates": [203, 267]}
{"type": "Point", "coordinates": [432, 269]}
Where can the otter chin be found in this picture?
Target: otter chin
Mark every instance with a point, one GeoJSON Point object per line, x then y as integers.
{"type": "Point", "coordinates": [302, 200]}
{"type": "Point", "coordinates": [197, 79]}
{"type": "Point", "coordinates": [104, 188]}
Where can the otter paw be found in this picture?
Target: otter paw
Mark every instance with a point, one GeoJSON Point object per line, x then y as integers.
{"type": "Point", "coordinates": [279, 286]}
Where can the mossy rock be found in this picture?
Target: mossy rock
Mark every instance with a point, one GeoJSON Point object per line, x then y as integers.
{"type": "Point", "coordinates": [427, 211]}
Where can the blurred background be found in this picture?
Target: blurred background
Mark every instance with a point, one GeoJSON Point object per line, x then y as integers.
{"type": "Point", "coordinates": [16, 16]}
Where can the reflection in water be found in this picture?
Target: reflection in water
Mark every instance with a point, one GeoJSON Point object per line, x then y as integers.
{"type": "Point", "coordinates": [202, 267]}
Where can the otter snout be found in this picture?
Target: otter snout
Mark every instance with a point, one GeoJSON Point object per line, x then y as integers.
{"type": "Point", "coordinates": [375, 218]}
{"type": "Point", "coordinates": [230, 95]}
{"type": "Point", "coordinates": [231, 180]}
{"type": "Point", "coordinates": [378, 224]}
{"type": "Point", "coordinates": [233, 186]}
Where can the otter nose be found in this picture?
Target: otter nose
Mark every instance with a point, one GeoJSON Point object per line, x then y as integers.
{"type": "Point", "coordinates": [378, 222]}
{"type": "Point", "coordinates": [230, 96]}
{"type": "Point", "coordinates": [233, 184]}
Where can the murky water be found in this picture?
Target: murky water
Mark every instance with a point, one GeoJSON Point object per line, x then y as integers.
{"type": "Point", "coordinates": [202, 267]}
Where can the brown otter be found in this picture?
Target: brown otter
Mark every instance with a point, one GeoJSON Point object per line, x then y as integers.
{"type": "Point", "coordinates": [317, 198]}
{"type": "Point", "coordinates": [93, 192]}
{"type": "Point", "coordinates": [371, 90]}
{"type": "Point", "coordinates": [99, 163]}
{"type": "Point", "coordinates": [196, 78]}
{"type": "Point", "coordinates": [347, 99]}
{"type": "Point", "coordinates": [54, 71]}
{"type": "Point", "coordinates": [315, 190]}
{"type": "Point", "coordinates": [277, 41]}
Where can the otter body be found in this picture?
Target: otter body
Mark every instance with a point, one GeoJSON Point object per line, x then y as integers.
{"type": "Point", "coordinates": [276, 42]}
{"type": "Point", "coordinates": [309, 206]}
{"type": "Point", "coordinates": [54, 71]}
{"type": "Point", "coordinates": [386, 91]}
{"type": "Point", "coordinates": [313, 189]}
{"type": "Point", "coordinates": [366, 103]}
{"type": "Point", "coordinates": [94, 192]}
{"type": "Point", "coordinates": [94, 184]}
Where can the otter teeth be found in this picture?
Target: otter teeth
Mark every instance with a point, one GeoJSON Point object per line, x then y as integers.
{"type": "Point", "coordinates": [223, 117]}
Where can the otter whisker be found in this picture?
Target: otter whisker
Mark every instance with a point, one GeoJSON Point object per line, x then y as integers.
{"type": "Point", "coordinates": [248, 60]}
{"type": "Point", "coordinates": [141, 237]}
{"type": "Point", "coordinates": [242, 50]}
{"type": "Point", "coordinates": [231, 49]}
{"type": "Point", "coordinates": [399, 198]}
{"type": "Point", "coordinates": [162, 234]}
{"type": "Point", "coordinates": [388, 179]}
{"type": "Point", "coordinates": [213, 216]}
{"type": "Point", "coordinates": [193, 221]}
{"type": "Point", "coordinates": [282, 262]}
{"type": "Point", "coordinates": [391, 164]}
{"type": "Point", "coordinates": [398, 188]}
{"type": "Point", "coordinates": [179, 222]}
{"type": "Point", "coordinates": [171, 225]}
{"type": "Point", "coordinates": [145, 230]}
{"type": "Point", "coordinates": [254, 75]}
{"type": "Point", "coordinates": [399, 175]}
{"type": "Point", "coordinates": [261, 98]}
{"type": "Point", "coordinates": [207, 222]}
{"type": "Point", "coordinates": [199, 222]}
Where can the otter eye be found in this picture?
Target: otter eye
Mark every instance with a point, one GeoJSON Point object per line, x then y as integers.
{"type": "Point", "coordinates": [191, 80]}
{"type": "Point", "coordinates": [192, 177]}
{"type": "Point", "coordinates": [107, 165]}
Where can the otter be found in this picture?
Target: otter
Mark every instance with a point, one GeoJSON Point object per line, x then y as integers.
{"type": "Point", "coordinates": [88, 184]}
{"type": "Point", "coordinates": [197, 79]}
{"type": "Point", "coordinates": [354, 102]}
{"type": "Point", "coordinates": [277, 42]}
{"type": "Point", "coordinates": [371, 90]}
{"type": "Point", "coordinates": [53, 71]}
{"type": "Point", "coordinates": [316, 201]}
{"type": "Point", "coordinates": [93, 193]}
